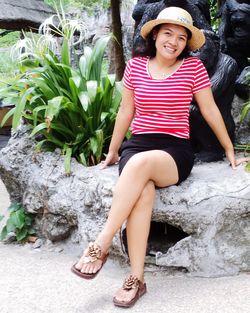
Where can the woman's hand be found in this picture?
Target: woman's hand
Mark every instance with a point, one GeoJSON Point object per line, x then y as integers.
{"type": "Point", "coordinates": [235, 162]}
{"type": "Point", "coordinates": [111, 158]}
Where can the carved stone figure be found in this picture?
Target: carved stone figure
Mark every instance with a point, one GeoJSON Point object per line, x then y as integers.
{"type": "Point", "coordinates": [222, 70]}
{"type": "Point", "coordinates": [234, 30]}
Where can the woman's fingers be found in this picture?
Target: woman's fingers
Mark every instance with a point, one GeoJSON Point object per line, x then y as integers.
{"type": "Point", "coordinates": [241, 160]}
{"type": "Point", "coordinates": [110, 159]}
{"type": "Point", "coordinates": [236, 162]}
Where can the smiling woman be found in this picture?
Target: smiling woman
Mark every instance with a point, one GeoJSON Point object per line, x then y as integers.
{"type": "Point", "coordinates": [159, 153]}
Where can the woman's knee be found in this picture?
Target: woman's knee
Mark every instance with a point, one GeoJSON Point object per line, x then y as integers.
{"type": "Point", "coordinates": [139, 161]}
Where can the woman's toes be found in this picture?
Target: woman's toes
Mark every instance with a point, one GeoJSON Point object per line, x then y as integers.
{"type": "Point", "coordinates": [78, 265]}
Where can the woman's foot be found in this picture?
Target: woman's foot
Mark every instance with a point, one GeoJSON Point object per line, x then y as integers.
{"type": "Point", "coordinates": [132, 289]}
{"type": "Point", "coordinates": [91, 262]}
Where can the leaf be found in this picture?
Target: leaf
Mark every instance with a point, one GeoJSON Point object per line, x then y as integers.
{"type": "Point", "coordinates": [84, 99]}
{"type": "Point", "coordinates": [31, 231]}
{"type": "Point", "coordinates": [74, 90]}
{"type": "Point", "coordinates": [39, 145]}
{"type": "Point", "coordinates": [83, 159]}
{"type": "Point", "coordinates": [65, 52]}
{"type": "Point", "coordinates": [10, 226]}
{"type": "Point", "coordinates": [245, 111]}
{"type": "Point", "coordinates": [99, 137]}
{"type": "Point", "coordinates": [21, 234]}
{"type": "Point", "coordinates": [92, 89]}
{"type": "Point", "coordinates": [67, 159]}
{"type": "Point", "coordinates": [7, 116]}
{"type": "Point", "coordinates": [44, 87]}
{"type": "Point", "coordinates": [4, 233]}
{"type": "Point", "coordinates": [38, 129]}
{"type": "Point", "coordinates": [93, 144]}
{"type": "Point", "coordinates": [83, 65]}
{"type": "Point", "coordinates": [95, 63]}
{"type": "Point", "coordinates": [17, 219]}
{"type": "Point", "coordinates": [20, 107]}
{"type": "Point", "coordinates": [54, 107]}
{"type": "Point", "coordinates": [1, 217]}
{"type": "Point", "coordinates": [36, 111]}
{"type": "Point", "coordinates": [14, 207]}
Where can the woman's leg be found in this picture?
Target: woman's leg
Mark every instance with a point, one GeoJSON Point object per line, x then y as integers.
{"type": "Point", "coordinates": [138, 226]}
{"type": "Point", "coordinates": [157, 166]}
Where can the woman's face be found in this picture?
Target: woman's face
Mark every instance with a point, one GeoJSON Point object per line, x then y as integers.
{"type": "Point", "coordinates": [170, 40]}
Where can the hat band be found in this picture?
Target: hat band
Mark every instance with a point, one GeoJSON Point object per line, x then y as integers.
{"type": "Point", "coordinates": [183, 20]}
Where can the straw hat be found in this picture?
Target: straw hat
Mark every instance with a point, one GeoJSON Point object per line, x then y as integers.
{"type": "Point", "coordinates": [178, 16]}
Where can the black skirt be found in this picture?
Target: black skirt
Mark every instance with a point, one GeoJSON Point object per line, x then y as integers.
{"type": "Point", "coordinates": [180, 149]}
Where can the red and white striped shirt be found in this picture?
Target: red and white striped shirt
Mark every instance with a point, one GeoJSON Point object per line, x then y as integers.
{"type": "Point", "coordinates": [162, 105]}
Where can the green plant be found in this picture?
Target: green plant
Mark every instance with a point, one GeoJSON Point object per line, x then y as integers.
{"type": "Point", "coordinates": [73, 109]}
{"type": "Point", "coordinates": [19, 222]}
{"type": "Point", "coordinates": [8, 38]}
{"type": "Point", "coordinates": [246, 108]}
{"type": "Point", "coordinates": [88, 5]}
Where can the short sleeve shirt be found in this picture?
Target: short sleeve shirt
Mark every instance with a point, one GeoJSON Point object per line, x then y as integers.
{"type": "Point", "coordinates": [162, 105]}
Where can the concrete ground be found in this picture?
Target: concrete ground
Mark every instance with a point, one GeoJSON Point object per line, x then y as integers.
{"type": "Point", "coordinates": [40, 281]}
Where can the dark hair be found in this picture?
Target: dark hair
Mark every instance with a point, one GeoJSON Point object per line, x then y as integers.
{"type": "Point", "coordinates": [150, 49]}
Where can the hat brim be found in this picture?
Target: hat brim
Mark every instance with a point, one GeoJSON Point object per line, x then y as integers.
{"type": "Point", "coordinates": [195, 42]}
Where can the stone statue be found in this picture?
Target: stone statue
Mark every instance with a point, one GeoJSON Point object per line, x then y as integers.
{"type": "Point", "coordinates": [234, 30]}
{"type": "Point", "coordinates": [222, 70]}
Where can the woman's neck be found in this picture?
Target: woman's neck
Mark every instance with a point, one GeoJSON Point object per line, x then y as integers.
{"type": "Point", "coordinates": [161, 68]}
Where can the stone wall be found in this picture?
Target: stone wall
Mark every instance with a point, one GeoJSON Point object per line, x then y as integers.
{"type": "Point", "coordinates": [211, 208]}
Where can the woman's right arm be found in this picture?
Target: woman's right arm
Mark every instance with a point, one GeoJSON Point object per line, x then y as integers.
{"type": "Point", "coordinates": [123, 120]}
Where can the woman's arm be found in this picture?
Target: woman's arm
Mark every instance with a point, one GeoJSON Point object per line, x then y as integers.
{"type": "Point", "coordinates": [212, 115]}
{"type": "Point", "coordinates": [123, 120]}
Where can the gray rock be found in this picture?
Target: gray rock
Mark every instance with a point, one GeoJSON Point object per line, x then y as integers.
{"type": "Point", "coordinates": [37, 244]}
{"type": "Point", "coordinates": [23, 14]}
{"type": "Point", "coordinates": [211, 208]}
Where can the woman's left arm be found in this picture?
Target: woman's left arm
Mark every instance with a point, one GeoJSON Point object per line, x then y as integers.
{"type": "Point", "coordinates": [212, 115]}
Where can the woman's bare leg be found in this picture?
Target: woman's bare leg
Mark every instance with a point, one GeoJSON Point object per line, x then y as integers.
{"type": "Point", "coordinates": [157, 166]}
{"type": "Point", "coordinates": [138, 226]}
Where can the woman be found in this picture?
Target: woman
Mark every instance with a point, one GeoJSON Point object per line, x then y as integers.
{"type": "Point", "coordinates": [158, 89]}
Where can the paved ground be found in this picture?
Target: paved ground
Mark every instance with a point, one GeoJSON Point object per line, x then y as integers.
{"type": "Point", "coordinates": [39, 281]}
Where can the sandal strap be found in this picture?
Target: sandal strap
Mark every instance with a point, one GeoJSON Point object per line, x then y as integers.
{"type": "Point", "coordinates": [131, 282]}
{"type": "Point", "coordinates": [94, 253]}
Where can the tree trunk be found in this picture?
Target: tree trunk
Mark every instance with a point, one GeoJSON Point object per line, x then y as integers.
{"type": "Point", "coordinates": [117, 41]}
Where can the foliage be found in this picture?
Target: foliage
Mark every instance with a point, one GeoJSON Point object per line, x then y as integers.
{"type": "Point", "coordinates": [1, 217]}
{"type": "Point", "coordinates": [246, 109]}
{"type": "Point", "coordinates": [9, 39]}
{"type": "Point", "coordinates": [73, 109]}
{"type": "Point", "coordinates": [89, 5]}
{"type": "Point", "coordinates": [19, 222]}
{"type": "Point", "coordinates": [7, 64]}
{"type": "Point", "coordinates": [213, 8]}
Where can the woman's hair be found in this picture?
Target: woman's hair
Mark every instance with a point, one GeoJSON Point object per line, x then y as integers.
{"type": "Point", "coordinates": [150, 49]}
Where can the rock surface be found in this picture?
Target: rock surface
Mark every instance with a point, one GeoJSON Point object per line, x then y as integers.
{"type": "Point", "coordinates": [212, 207]}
